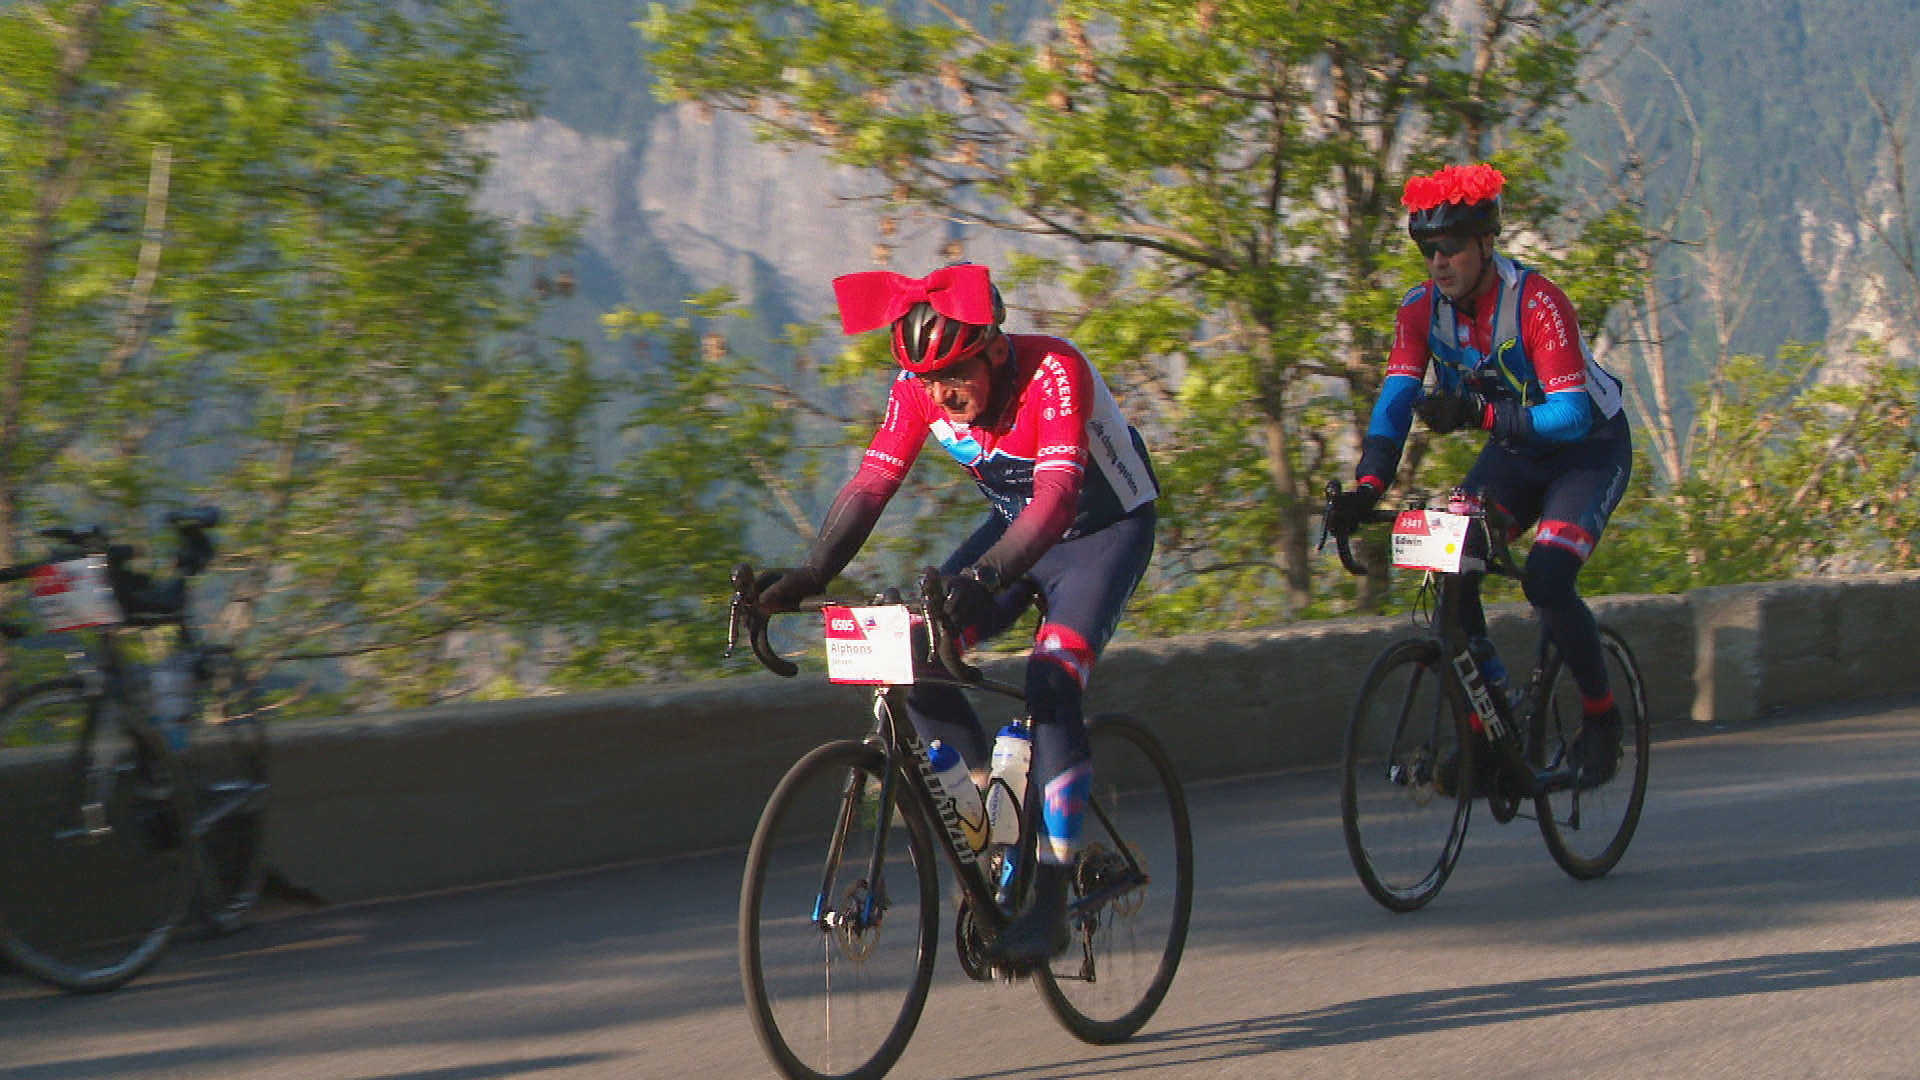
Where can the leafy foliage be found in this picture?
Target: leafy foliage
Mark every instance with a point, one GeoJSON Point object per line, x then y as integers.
{"type": "Point", "coordinates": [1220, 178]}
{"type": "Point", "coordinates": [241, 262]}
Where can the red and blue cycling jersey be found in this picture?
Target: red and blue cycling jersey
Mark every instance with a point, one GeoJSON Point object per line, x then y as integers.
{"type": "Point", "coordinates": [1059, 461]}
{"type": "Point", "coordinates": [1522, 343]}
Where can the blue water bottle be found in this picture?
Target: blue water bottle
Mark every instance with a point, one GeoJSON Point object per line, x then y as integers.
{"type": "Point", "coordinates": [956, 788]}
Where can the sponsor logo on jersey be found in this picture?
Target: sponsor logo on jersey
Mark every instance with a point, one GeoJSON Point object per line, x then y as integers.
{"type": "Point", "coordinates": [965, 448]}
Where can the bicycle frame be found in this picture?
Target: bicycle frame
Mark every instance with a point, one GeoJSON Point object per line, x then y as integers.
{"type": "Point", "coordinates": [1491, 715]}
{"type": "Point", "coordinates": [894, 736]}
{"type": "Point", "coordinates": [899, 744]}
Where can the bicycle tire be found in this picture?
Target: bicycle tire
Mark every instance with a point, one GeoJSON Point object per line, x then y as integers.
{"type": "Point", "coordinates": [227, 759]}
{"type": "Point", "coordinates": [835, 996]}
{"type": "Point", "coordinates": [1125, 951]}
{"type": "Point", "coordinates": [1404, 827]}
{"type": "Point", "coordinates": [1587, 832]}
{"type": "Point", "coordinates": [87, 909]}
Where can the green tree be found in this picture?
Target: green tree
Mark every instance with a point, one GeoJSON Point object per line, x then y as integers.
{"type": "Point", "coordinates": [1794, 473]}
{"type": "Point", "coordinates": [241, 261]}
{"type": "Point", "coordinates": [1230, 172]}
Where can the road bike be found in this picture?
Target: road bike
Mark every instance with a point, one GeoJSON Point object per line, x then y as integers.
{"type": "Point", "coordinates": [840, 903]}
{"type": "Point", "coordinates": [1428, 734]}
{"type": "Point", "coordinates": [133, 787]}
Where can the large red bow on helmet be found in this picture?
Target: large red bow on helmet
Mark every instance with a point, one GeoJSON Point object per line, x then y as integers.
{"type": "Point", "coordinates": [874, 298]}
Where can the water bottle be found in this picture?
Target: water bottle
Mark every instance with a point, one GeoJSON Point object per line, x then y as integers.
{"type": "Point", "coordinates": [1012, 752]}
{"type": "Point", "coordinates": [1492, 669]}
{"type": "Point", "coordinates": [173, 699]}
{"type": "Point", "coordinates": [957, 794]}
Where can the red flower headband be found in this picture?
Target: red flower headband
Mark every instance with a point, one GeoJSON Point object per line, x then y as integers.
{"type": "Point", "coordinates": [1455, 183]}
{"type": "Point", "coordinates": [874, 298]}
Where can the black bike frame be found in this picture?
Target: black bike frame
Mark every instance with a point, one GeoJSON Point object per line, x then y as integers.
{"type": "Point", "coordinates": [893, 734]}
{"type": "Point", "coordinates": [1491, 715]}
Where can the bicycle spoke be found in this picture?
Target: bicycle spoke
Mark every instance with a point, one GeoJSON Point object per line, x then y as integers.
{"type": "Point", "coordinates": [1588, 831]}
{"type": "Point", "coordinates": [93, 840]}
{"type": "Point", "coordinates": [1132, 889]}
{"type": "Point", "coordinates": [1408, 779]}
{"type": "Point", "coordinates": [836, 958]}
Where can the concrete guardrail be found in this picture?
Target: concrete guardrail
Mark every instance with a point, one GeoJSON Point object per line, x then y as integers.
{"type": "Point", "coordinates": [389, 804]}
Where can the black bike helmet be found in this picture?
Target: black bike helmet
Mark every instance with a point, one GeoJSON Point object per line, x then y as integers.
{"type": "Point", "coordinates": [925, 340]}
{"type": "Point", "coordinates": [1459, 200]}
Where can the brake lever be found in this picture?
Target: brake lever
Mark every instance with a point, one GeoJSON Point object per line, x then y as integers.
{"type": "Point", "coordinates": [745, 607]}
{"type": "Point", "coordinates": [945, 652]}
{"type": "Point", "coordinates": [1342, 542]}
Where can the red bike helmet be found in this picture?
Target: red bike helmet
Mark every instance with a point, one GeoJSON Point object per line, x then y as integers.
{"type": "Point", "coordinates": [937, 321]}
{"type": "Point", "coordinates": [925, 340]}
{"type": "Point", "coordinates": [1459, 200]}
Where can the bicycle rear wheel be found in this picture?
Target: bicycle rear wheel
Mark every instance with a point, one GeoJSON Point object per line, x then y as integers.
{"type": "Point", "coordinates": [95, 870]}
{"type": "Point", "coordinates": [228, 761]}
{"type": "Point", "coordinates": [836, 963]}
{"type": "Point", "coordinates": [1408, 788]}
{"type": "Point", "coordinates": [1588, 831]}
{"type": "Point", "coordinates": [1132, 889]}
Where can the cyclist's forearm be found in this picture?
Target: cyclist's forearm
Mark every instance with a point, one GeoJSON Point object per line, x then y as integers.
{"type": "Point", "coordinates": [1379, 461]}
{"type": "Point", "coordinates": [1387, 431]}
{"type": "Point", "coordinates": [848, 524]}
{"type": "Point", "coordinates": [1566, 416]}
{"type": "Point", "coordinates": [1056, 499]}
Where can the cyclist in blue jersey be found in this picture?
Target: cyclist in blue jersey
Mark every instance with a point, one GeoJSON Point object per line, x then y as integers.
{"type": "Point", "coordinates": [1505, 350]}
{"type": "Point", "coordinates": [1071, 523]}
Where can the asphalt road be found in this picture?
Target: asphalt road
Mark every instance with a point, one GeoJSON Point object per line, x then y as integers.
{"type": "Point", "coordinates": [1766, 923]}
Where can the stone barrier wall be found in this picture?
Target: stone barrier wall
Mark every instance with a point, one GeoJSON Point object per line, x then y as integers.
{"type": "Point", "coordinates": [390, 804]}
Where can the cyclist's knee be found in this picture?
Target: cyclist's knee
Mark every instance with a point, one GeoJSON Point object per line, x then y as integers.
{"type": "Point", "coordinates": [1053, 693]}
{"type": "Point", "coordinates": [1552, 577]}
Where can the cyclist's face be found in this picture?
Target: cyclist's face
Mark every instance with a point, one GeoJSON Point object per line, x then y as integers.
{"type": "Point", "coordinates": [964, 390]}
{"type": "Point", "coordinates": [1458, 272]}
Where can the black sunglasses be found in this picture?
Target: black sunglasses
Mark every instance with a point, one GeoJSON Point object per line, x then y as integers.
{"type": "Point", "coordinates": [1445, 245]}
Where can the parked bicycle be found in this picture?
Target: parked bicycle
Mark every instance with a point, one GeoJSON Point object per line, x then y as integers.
{"type": "Point", "coordinates": [132, 788]}
{"type": "Point", "coordinates": [840, 905]}
{"type": "Point", "coordinates": [1428, 735]}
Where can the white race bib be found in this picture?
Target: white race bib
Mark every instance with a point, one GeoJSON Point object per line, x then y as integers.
{"type": "Point", "coordinates": [1433, 540]}
{"type": "Point", "coordinates": [75, 595]}
{"type": "Point", "coordinates": [870, 646]}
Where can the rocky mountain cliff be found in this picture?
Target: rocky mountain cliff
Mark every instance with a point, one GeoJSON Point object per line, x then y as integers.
{"type": "Point", "coordinates": [677, 198]}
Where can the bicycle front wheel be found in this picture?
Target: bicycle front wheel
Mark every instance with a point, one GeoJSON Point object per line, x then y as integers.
{"type": "Point", "coordinates": [1408, 786]}
{"type": "Point", "coordinates": [836, 959]}
{"type": "Point", "coordinates": [95, 865]}
{"type": "Point", "coordinates": [228, 761]}
{"type": "Point", "coordinates": [1132, 889]}
{"type": "Point", "coordinates": [1588, 831]}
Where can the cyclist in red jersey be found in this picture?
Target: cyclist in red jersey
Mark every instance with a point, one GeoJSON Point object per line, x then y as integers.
{"type": "Point", "coordinates": [1505, 350]}
{"type": "Point", "coordinates": [1071, 523]}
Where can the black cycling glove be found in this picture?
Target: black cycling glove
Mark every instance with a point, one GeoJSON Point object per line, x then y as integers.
{"type": "Point", "coordinates": [1346, 509]}
{"type": "Point", "coordinates": [1447, 413]}
{"type": "Point", "coordinates": [969, 597]}
{"type": "Point", "coordinates": [782, 590]}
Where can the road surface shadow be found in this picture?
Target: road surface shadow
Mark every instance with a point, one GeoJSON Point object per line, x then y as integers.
{"type": "Point", "coordinates": [1395, 1015]}
{"type": "Point", "coordinates": [146, 1063]}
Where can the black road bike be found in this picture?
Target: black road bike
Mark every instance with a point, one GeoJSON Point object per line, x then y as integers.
{"type": "Point", "coordinates": [840, 904]}
{"type": "Point", "coordinates": [1427, 734]}
{"type": "Point", "coordinates": [117, 825]}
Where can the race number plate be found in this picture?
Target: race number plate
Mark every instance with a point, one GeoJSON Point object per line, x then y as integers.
{"type": "Point", "coordinates": [75, 595]}
{"type": "Point", "coordinates": [870, 646]}
{"type": "Point", "coordinates": [1432, 540]}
